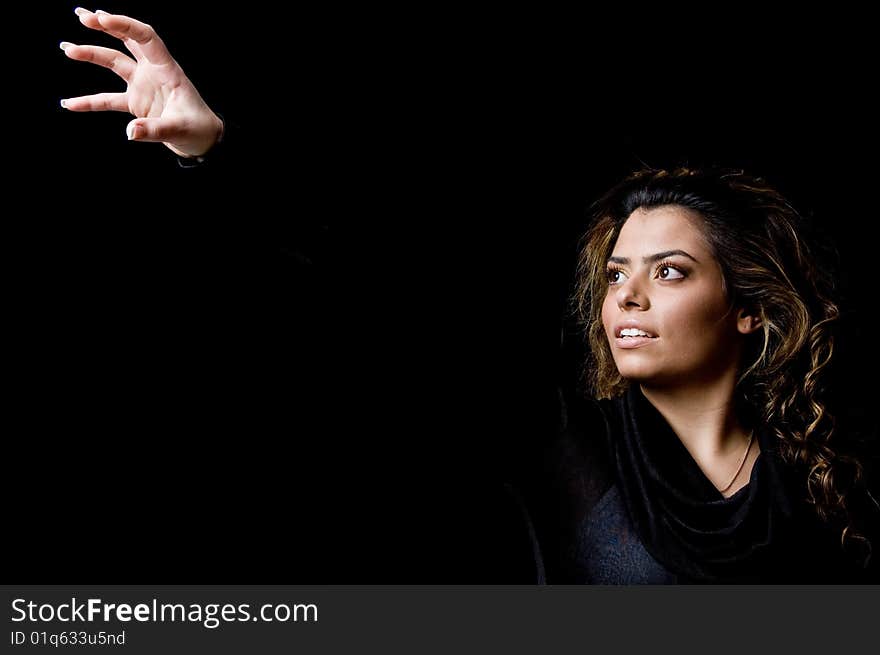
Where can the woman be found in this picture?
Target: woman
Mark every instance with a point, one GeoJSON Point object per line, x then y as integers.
{"type": "Point", "coordinates": [710, 454]}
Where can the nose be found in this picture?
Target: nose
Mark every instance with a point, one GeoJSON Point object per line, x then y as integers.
{"type": "Point", "coordinates": [630, 296]}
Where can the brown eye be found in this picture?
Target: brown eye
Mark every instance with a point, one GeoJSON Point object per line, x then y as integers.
{"type": "Point", "coordinates": [670, 273]}
{"type": "Point", "coordinates": [615, 276]}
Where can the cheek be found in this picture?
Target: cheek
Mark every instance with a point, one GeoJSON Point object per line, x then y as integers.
{"type": "Point", "coordinates": [697, 326]}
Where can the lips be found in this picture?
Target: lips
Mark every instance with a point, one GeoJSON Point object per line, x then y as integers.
{"type": "Point", "coordinates": [633, 334]}
{"type": "Point", "coordinates": [633, 329]}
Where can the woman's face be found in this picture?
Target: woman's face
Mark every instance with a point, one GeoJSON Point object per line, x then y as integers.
{"type": "Point", "coordinates": [664, 282]}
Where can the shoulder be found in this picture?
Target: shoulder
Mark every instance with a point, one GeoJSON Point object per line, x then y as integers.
{"type": "Point", "coordinates": [582, 433]}
{"type": "Point", "coordinates": [865, 506]}
{"type": "Point", "coordinates": [820, 554]}
{"type": "Point", "coordinates": [573, 475]}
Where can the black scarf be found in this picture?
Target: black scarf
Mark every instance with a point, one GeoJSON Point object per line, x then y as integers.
{"type": "Point", "coordinates": [684, 521]}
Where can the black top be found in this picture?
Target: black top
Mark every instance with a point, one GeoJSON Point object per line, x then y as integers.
{"type": "Point", "coordinates": [620, 500]}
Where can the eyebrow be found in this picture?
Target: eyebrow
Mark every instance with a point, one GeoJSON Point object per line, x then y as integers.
{"type": "Point", "coordinates": [653, 258]}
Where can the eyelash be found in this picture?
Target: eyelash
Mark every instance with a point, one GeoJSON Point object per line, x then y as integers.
{"type": "Point", "coordinates": [612, 269]}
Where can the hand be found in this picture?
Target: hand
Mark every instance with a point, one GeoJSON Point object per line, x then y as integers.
{"type": "Point", "coordinates": [167, 106]}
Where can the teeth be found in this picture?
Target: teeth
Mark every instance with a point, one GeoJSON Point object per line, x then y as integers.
{"type": "Point", "coordinates": [633, 332]}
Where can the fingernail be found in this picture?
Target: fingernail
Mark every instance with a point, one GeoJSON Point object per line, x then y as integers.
{"type": "Point", "coordinates": [64, 103]}
{"type": "Point", "coordinates": [64, 45]}
{"type": "Point", "coordinates": [101, 11]}
{"type": "Point", "coordinates": [79, 11]}
{"type": "Point", "coordinates": [130, 131]}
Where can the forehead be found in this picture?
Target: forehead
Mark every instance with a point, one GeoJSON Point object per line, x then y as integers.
{"type": "Point", "coordinates": [669, 227]}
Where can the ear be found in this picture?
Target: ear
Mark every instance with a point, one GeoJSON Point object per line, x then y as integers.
{"type": "Point", "coordinates": [747, 322]}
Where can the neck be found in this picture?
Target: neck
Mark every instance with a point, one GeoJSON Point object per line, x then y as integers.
{"type": "Point", "coordinates": [702, 416]}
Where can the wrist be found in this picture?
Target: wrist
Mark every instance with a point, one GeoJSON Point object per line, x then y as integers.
{"type": "Point", "coordinates": [218, 130]}
{"type": "Point", "coordinates": [213, 136]}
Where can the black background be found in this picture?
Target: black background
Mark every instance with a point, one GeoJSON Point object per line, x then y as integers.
{"type": "Point", "coordinates": [318, 358]}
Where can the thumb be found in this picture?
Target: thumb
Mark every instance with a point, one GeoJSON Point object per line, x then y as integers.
{"type": "Point", "coordinates": [152, 129]}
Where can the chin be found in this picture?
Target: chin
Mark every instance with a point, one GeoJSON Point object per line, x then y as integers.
{"type": "Point", "coordinates": [652, 377]}
{"type": "Point", "coordinates": [637, 371]}
{"type": "Point", "coordinates": [639, 379]}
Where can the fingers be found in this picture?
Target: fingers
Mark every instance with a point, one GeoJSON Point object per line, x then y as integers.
{"type": "Point", "coordinates": [97, 102]}
{"type": "Point", "coordinates": [139, 38]}
{"type": "Point", "coordinates": [88, 18]}
{"type": "Point", "coordinates": [119, 63]}
{"type": "Point", "coordinates": [154, 129]}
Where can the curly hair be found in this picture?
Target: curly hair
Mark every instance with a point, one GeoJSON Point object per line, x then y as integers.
{"type": "Point", "coordinates": [768, 265]}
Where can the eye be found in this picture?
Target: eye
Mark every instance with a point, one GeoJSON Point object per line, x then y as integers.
{"type": "Point", "coordinates": [669, 272]}
{"type": "Point", "coordinates": [615, 276]}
